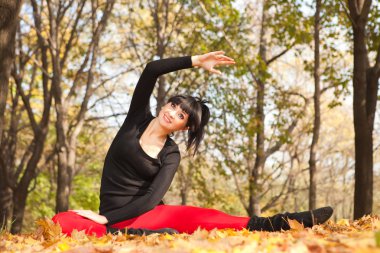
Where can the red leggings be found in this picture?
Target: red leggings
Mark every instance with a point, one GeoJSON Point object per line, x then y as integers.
{"type": "Point", "coordinates": [185, 219]}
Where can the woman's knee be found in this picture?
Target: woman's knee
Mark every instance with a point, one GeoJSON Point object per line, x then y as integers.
{"type": "Point", "coordinates": [70, 221]}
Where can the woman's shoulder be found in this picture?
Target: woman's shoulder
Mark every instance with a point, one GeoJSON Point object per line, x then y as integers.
{"type": "Point", "coordinates": [172, 148]}
{"type": "Point", "coordinates": [138, 120]}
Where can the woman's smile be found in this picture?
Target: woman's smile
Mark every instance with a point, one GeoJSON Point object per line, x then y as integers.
{"type": "Point", "coordinates": [167, 118]}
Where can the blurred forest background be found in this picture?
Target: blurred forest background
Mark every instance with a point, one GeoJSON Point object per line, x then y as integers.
{"type": "Point", "coordinates": [294, 123]}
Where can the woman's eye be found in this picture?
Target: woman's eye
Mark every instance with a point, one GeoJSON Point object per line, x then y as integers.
{"type": "Point", "coordinates": [181, 116]}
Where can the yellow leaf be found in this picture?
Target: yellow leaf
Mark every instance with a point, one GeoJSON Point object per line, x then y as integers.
{"type": "Point", "coordinates": [168, 237]}
{"type": "Point", "coordinates": [295, 225]}
{"type": "Point", "coordinates": [79, 235]}
{"type": "Point", "coordinates": [220, 234]}
{"type": "Point", "coordinates": [50, 230]}
{"type": "Point", "coordinates": [343, 222]}
{"type": "Point", "coordinates": [63, 246]}
{"type": "Point", "coordinates": [376, 223]}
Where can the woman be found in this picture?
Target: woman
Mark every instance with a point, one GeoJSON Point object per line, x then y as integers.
{"type": "Point", "coordinates": [142, 160]}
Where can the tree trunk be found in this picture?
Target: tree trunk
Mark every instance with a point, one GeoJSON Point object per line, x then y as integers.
{"type": "Point", "coordinates": [20, 194]}
{"type": "Point", "coordinates": [254, 187]}
{"type": "Point", "coordinates": [161, 94]}
{"type": "Point", "coordinates": [63, 182]}
{"type": "Point", "coordinates": [317, 112]}
{"type": "Point", "coordinates": [5, 204]}
{"type": "Point", "coordinates": [363, 130]}
{"type": "Point", "coordinates": [19, 203]}
{"type": "Point", "coordinates": [161, 89]}
{"type": "Point", "coordinates": [9, 11]}
{"type": "Point", "coordinates": [185, 179]}
{"type": "Point", "coordinates": [365, 82]}
{"type": "Point", "coordinates": [183, 197]}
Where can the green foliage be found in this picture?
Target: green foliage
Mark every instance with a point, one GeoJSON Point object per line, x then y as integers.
{"type": "Point", "coordinates": [288, 23]}
{"type": "Point", "coordinates": [85, 193]}
{"type": "Point", "coordinates": [377, 238]}
{"type": "Point", "coordinates": [41, 201]}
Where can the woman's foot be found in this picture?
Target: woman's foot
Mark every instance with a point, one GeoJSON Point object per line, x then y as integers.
{"type": "Point", "coordinates": [279, 222]}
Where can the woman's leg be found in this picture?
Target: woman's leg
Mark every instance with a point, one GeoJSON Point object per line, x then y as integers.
{"type": "Point", "coordinates": [70, 221]}
{"type": "Point", "coordinates": [184, 219]}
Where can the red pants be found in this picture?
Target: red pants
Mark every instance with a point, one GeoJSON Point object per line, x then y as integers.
{"type": "Point", "coordinates": [185, 219]}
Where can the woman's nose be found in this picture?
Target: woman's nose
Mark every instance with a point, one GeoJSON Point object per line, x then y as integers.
{"type": "Point", "coordinates": [172, 113]}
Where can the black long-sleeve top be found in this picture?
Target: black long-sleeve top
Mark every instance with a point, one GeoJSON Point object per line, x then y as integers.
{"type": "Point", "coordinates": [132, 181]}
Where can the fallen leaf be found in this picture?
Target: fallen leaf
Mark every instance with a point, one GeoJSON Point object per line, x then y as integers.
{"type": "Point", "coordinates": [343, 222]}
{"type": "Point", "coordinates": [63, 246]}
{"type": "Point", "coordinates": [295, 225]}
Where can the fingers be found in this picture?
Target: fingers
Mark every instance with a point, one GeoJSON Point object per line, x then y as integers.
{"type": "Point", "coordinates": [215, 71]}
{"type": "Point", "coordinates": [216, 58]}
{"type": "Point", "coordinates": [225, 63]}
{"type": "Point", "coordinates": [223, 57]}
{"type": "Point", "coordinates": [218, 52]}
{"type": "Point", "coordinates": [82, 212]}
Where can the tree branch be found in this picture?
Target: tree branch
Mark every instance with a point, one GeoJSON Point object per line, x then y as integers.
{"type": "Point", "coordinates": [290, 129]}
{"type": "Point", "coordinates": [280, 54]}
{"type": "Point", "coordinates": [347, 12]}
{"type": "Point", "coordinates": [72, 34]}
{"type": "Point", "coordinates": [27, 105]}
{"type": "Point", "coordinates": [105, 117]}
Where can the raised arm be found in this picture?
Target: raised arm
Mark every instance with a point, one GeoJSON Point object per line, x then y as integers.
{"type": "Point", "coordinates": [148, 78]}
{"type": "Point", "coordinates": [145, 85]}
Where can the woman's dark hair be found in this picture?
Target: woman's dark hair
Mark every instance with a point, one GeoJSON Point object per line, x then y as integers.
{"type": "Point", "coordinates": [199, 115]}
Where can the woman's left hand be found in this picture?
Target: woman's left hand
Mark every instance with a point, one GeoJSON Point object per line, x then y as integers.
{"type": "Point", "coordinates": [210, 60]}
{"type": "Point", "coordinates": [92, 216]}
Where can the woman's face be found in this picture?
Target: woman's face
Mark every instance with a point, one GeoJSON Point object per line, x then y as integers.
{"type": "Point", "coordinates": [172, 117]}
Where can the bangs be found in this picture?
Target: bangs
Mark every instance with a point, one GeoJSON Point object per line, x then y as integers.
{"type": "Point", "coordinates": [182, 102]}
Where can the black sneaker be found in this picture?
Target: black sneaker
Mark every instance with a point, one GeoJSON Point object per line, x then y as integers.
{"type": "Point", "coordinates": [280, 222]}
{"type": "Point", "coordinates": [313, 217]}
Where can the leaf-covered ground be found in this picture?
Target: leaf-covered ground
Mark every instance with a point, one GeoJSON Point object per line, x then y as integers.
{"type": "Point", "coordinates": [358, 236]}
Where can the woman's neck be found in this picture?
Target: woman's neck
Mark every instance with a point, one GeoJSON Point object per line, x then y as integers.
{"type": "Point", "coordinates": [155, 130]}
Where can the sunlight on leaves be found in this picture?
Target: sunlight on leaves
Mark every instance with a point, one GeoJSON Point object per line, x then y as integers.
{"type": "Point", "coordinates": [361, 235]}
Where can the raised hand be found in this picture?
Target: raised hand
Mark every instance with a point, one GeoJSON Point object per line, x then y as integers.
{"type": "Point", "coordinates": [210, 60]}
{"type": "Point", "coordinates": [92, 216]}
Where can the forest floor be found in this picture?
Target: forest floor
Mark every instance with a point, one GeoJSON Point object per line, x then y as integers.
{"type": "Point", "coordinates": [343, 236]}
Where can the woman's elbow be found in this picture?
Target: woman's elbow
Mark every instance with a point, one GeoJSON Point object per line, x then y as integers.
{"type": "Point", "coordinates": [152, 67]}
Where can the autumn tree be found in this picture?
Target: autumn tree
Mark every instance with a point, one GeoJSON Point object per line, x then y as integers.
{"type": "Point", "coordinates": [363, 15]}
{"type": "Point", "coordinates": [9, 11]}
{"type": "Point", "coordinates": [329, 74]}
{"type": "Point", "coordinates": [249, 139]}
{"type": "Point", "coordinates": [26, 124]}
{"type": "Point", "coordinates": [317, 116]}
{"type": "Point", "coordinates": [67, 22]}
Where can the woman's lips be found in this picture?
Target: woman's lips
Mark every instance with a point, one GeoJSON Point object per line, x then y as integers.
{"type": "Point", "coordinates": [167, 118]}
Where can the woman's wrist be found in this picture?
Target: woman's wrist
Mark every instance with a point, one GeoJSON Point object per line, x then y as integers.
{"type": "Point", "coordinates": [195, 61]}
{"type": "Point", "coordinates": [105, 220]}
